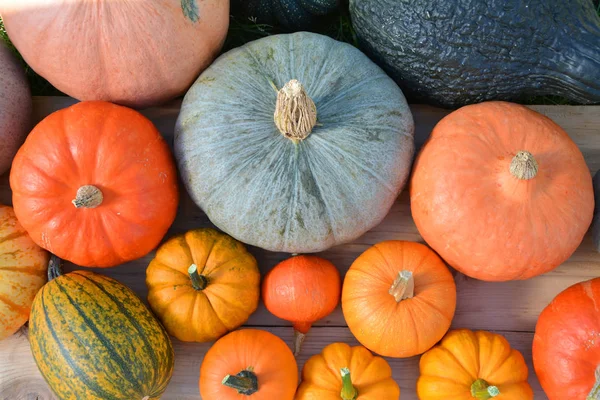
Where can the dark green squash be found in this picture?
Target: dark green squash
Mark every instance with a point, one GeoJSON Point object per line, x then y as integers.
{"type": "Point", "coordinates": [292, 15]}
{"type": "Point", "coordinates": [457, 52]}
{"type": "Point", "coordinates": [596, 223]}
{"type": "Point", "coordinates": [92, 338]}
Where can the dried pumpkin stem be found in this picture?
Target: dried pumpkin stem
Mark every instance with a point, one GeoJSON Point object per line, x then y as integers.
{"type": "Point", "coordinates": [295, 112]}
{"type": "Point", "coordinates": [199, 282]}
{"type": "Point", "coordinates": [481, 390]}
{"type": "Point", "coordinates": [349, 392]}
{"type": "Point", "coordinates": [595, 392]}
{"type": "Point", "coordinates": [246, 382]}
{"type": "Point", "coordinates": [88, 196]}
{"type": "Point", "coordinates": [524, 166]}
{"type": "Point", "coordinates": [54, 267]}
{"type": "Point", "coordinates": [403, 287]}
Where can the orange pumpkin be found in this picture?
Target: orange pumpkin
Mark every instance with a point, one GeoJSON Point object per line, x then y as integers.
{"type": "Point", "coordinates": [249, 363]}
{"type": "Point", "coordinates": [398, 298]}
{"type": "Point", "coordinates": [469, 365]}
{"type": "Point", "coordinates": [347, 373]}
{"type": "Point", "coordinates": [137, 53]}
{"type": "Point", "coordinates": [501, 192]}
{"type": "Point", "coordinates": [302, 289]}
{"type": "Point", "coordinates": [95, 184]}
{"type": "Point", "coordinates": [202, 284]}
{"type": "Point", "coordinates": [23, 269]}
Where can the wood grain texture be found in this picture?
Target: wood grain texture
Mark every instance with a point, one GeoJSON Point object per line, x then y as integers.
{"type": "Point", "coordinates": [510, 307]}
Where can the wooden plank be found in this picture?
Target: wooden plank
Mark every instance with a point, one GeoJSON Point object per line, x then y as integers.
{"type": "Point", "coordinates": [22, 381]}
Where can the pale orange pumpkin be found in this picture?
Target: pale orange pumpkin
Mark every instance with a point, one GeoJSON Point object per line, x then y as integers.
{"type": "Point", "coordinates": [23, 271]}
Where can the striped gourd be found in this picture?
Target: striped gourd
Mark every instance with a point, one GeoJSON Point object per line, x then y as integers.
{"type": "Point", "coordinates": [92, 338]}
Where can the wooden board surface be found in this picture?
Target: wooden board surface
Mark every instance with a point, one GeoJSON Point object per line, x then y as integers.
{"type": "Point", "coordinates": [510, 308]}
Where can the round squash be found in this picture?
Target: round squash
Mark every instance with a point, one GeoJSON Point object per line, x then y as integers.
{"type": "Point", "coordinates": [202, 284]}
{"type": "Point", "coordinates": [136, 53]}
{"type": "Point", "coordinates": [15, 107]}
{"type": "Point", "coordinates": [92, 338]}
{"type": "Point", "coordinates": [293, 15]}
{"type": "Point", "coordinates": [248, 363]}
{"type": "Point", "coordinates": [398, 298]}
{"type": "Point", "coordinates": [95, 184]}
{"type": "Point", "coordinates": [567, 330]}
{"type": "Point", "coordinates": [596, 230]}
{"type": "Point", "coordinates": [302, 289]}
{"type": "Point", "coordinates": [469, 365]}
{"type": "Point", "coordinates": [23, 269]}
{"type": "Point", "coordinates": [501, 192]}
{"type": "Point", "coordinates": [342, 372]}
{"type": "Point", "coordinates": [294, 143]}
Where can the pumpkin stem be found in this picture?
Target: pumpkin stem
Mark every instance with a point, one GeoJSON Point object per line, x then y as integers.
{"type": "Point", "coordinates": [524, 166]}
{"type": "Point", "coordinates": [300, 331]}
{"type": "Point", "coordinates": [349, 392]}
{"type": "Point", "coordinates": [199, 282]}
{"type": "Point", "coordinates": [481, 390]}
{"type": "Point", "coordinates": [245, 382]}
{"type": "Point", "coordinates": [54, 267]}
{"type": "Point", "coordinates": [403, 287]}
{"type": "Point", "coordinates": [88, 196]}
{"type": "Point", "coordinates": [595, 392]}
{"type": "Point", "coordinates": [295, 112]}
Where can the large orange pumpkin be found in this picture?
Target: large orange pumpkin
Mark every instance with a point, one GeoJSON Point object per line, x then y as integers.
{"type": "Point", "coordinates": [501, 192]}
{"type": "Point", "coordinates": [249, 363]}
{"type": "Point", "coordinates": [95, 184]}
{"type": "Point", "coordinates": [132, 52]}
{"type": "Point", "coordinates": [566, 345]}
{"type": "Point", "coordinates": [398, 298]}
{"type": "Point", "coordinates": [23, 267]}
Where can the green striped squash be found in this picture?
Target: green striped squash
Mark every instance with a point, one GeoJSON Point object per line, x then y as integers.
{"type": "Point", "coordinates": [92, 338]}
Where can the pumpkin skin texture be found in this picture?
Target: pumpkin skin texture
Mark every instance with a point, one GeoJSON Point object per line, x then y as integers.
{"type": "Point", "coordinates": [118, 152]}
{"type": "Point", "coordinates": [567, 330]}
{"type": "Point", "coordinates": [483, 219]}
{"type": "Point", "coordinates": [15, 107]}
{"type": "Point", "coordinates": [134, 53]}
{"type": "Point", "coordinates": [23, 266]}
{"type": "Point", "coordinates": [306, 191]}
{"type": "Point", "coordinates": [596, 230]}
{"type": "Point", "coordinates": [303, 290]}
{"type": "Point", "coordinates": [292, 15]}
{"type": "Point", "coordinates": [92, 338]}
{"type": "Point", "coordinates": [469, 365]}
{"type": "Point", "coordinates": [369, 376]}
{"type": "Point", "coordinates": [398, 316]}
{"type": "Point", "coordinates": [453, 53]}
{"type": "Point", "coordinates": [255, 353]}
{"type": "Point", "coordinates": [223, 297]}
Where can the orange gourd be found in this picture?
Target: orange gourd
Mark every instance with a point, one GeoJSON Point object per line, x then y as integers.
{"type": "Point", "coordinates": [202, 284]}
{"type": "Point", "coordinates": [501, 192]}
{"type": "Point", "coordinates": [566, 349]}
{"type": "Point", "coordinates": [249, 363]}
{"type": "Point", "coordinates": [302, 290]}
{"type": "Point", "coordinates": [342, 372]}
{"type": "Point", "coordinates": [469, 365]}
{"type": "Point", "coordinates": [95, 184]}
{"type": "Point", "coordinates": [23, 271]}
{"type": "Point", "coordinates": [398, 298]}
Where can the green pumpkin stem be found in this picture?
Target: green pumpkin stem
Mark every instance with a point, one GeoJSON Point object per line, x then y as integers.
{"type": "Point", "coordinates": [88, 196]}
{"type": "Point", "coordinates": [349, 392]}
{"type": "Point", "coordinates": [54, 267]}
{"type": "Point", "coordinates": [595, 392]}
{"type": "Point", "coordinates": [199, 282]}
{"type": "Point", "coordinates": [481, 390]}
{"type": "Point", "coordinates": [245, 382]}
{"type": "Point", "coordinates": [403, 286]}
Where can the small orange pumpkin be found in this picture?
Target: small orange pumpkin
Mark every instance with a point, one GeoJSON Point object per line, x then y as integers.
{"type": "Point", "coordinates": [347, 373]}
{"type": "Point", "coordinates": [23, 271]}
{"type": "Point", "coordinates": [469, 365]}
{"type": "Point", "coordinates": [302, 289]}
{"type": "Point", "coordinates": [202, 284]}
{"type": "Point", "coordinates": [249, 363]}
{"type": "Point", "coordinates": [398, 298]}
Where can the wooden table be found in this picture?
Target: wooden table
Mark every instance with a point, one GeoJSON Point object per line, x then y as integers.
{"type": "Point", "coordinates": [509, 308]}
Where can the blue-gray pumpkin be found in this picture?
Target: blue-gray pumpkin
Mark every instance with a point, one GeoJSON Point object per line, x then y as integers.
{"type": "Point", "coordinates": [294, 143]}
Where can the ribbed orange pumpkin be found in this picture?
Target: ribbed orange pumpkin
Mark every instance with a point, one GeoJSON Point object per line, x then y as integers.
{"type": "Point", "coordinates": [398, 298]}
{"type": "Point", "coordinates": [95, 184]}
{"type": "Point", "coordinates": [501, 192]}
{"type": "Point", "coordinates": [23, 267]}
